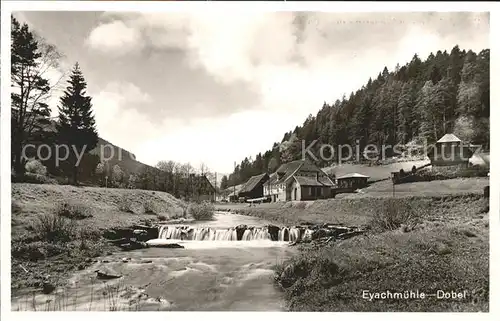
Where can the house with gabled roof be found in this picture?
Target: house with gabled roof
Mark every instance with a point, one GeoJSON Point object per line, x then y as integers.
{"type": "Point", "coordinates": [253, 188]}
{"type": "Point", "coordinates": [298, 181]}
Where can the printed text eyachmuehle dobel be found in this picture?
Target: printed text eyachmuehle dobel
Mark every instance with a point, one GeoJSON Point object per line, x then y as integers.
{"type": "Point", "coordinates": [417, 294]}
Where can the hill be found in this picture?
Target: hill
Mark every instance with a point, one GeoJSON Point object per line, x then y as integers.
{"type": "Point", "coordinates": [116, 155]}
{"type": "Point", "coordinates": [413, 104]}
{"type": "Point", "coordinates": [104, 152]}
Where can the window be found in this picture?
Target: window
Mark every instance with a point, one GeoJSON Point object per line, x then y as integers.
{"type": "Point", "coordinates": [310, 191]}
{"type": "Point", "coordinates": [320, 191]}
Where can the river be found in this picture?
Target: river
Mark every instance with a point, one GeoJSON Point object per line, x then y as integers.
{"type": "Point", "coordinates": [220, 275]}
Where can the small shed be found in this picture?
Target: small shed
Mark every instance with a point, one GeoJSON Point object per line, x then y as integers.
{"type": "Point", "coordinates": [352, 181]}
{"type": "Point", "coordinates": [449, 150]}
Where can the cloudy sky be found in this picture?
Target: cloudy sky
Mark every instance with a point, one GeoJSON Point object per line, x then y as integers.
{"type": "Point", "coordinates": [216, 88]}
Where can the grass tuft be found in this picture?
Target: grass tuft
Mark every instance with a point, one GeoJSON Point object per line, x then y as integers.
{"type": "Point", "coordinates": [397, 213]}
{"type": "Point", "coordinates": [74, 210]}
{"type": "Point", "coordinates": [53, 228]}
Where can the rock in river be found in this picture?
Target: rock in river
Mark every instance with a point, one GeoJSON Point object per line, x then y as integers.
{"type": "Point", "coordinates": [107, 275]}
{"type": "Point", "coordinates": [167, 244]}
{"type": "Point", "coordinates": [273, 230]}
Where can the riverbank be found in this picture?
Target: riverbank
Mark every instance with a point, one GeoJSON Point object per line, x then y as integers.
{"type": "Point", "coordinates": [424, 244]}
{"type": "Point", "coordinates": [413, 243]}
{"type": "Point", "coordinates": [58, 229]}
{"type": "Point", "coordinates": [356, 211]}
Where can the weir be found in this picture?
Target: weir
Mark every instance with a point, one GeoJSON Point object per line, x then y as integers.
{"type": "Point", "coordinates": [239, 233]}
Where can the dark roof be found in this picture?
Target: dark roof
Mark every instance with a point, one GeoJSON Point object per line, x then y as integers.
{"type": "Point", "coordinates": [285, 167]}
{"type": "Point", "coordinates": [325, 180]}
{"type": "Point", "coordinates": [202, 180]}
{"type": "Point", "coordinates": [295, 168]}
{"type": "Point", "coordinates": [288, 169]}
{"type": "Point", "coordinates": [253, 182]}
{"type": "Point", "coordinates": [273, 178]}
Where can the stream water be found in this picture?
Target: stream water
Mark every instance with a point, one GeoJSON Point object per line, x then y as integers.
{"type": "Point", "coordinates": [212, 272]}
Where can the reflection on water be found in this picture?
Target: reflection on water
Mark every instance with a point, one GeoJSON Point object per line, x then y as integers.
{"type": "Point", "coordinates": [205, 275]}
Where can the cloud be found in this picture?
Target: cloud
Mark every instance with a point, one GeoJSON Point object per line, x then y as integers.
{"type": "Point", "coordinates": [209, 141]}
{"type": "Point", "coordinates": [128, 92]}
{"type": "Point", "coordinates": [293, 62]}
{"type": "Point", "coordinates": [115, 38]}
{"type": "Point", "coordinates": [126, 127]}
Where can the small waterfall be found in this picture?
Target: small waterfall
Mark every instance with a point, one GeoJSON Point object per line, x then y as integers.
{"type": "Point", "coordinates": [294, 234]}
{"type": "Point", "coordinates": [290, 234]}
{"type": "Point", "coordinates": [212, 234]}
{"type": "Point", "coordinates": [285, 234]}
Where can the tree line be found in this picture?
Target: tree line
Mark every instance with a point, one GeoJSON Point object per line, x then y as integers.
{"type": "Point", "coordinates": [448, 92]}
{"type": "Point", "coordinates": [181, 180]}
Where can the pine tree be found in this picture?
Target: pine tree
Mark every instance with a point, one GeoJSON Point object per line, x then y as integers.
{"type": "Point", "coordinates": [483, 69]}
{"type": "Point", "coordinates": [224, 182]}
{"type": "Point", "coordinates": [76, 125]}
{"type": "Point", "coordinates": [291, 149]}
{"type": "Point", "coordinates": [406, 104]}
{"type": "Point", "coordinates": [427, 123]}
{"type": "Point", "coordinates": [442, 102]}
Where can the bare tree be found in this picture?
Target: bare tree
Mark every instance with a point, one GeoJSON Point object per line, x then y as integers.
{"type": "Point", "coordinates": [32, 59]}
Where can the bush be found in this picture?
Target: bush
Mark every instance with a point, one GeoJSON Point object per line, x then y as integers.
{"type": "Point", "coordinates": [34, 179]}
{"type": "Point", "coordinates": [37, 250]}
{"type": "Point", "coordinates": [301, 205]}
{"type": "Point", "coordinates": [36, 167]}
{"type": "Point", "coordinates": [394, 213]}
{"type": "Point", "coordinates": [88, 237]}
{"type": "Point", "coordinates": [74, 210]}
{"type": "Point", "coordinates": [151, 207]}
{"type": "Point", "coordinates": [318, 270]}
{"type": "Point", "coordinates": [162, 217]}
{"type": "Point", "coordinates": [53, 228]}
{"type": "Point", "coordinates": [125, 205]}
{"type": "Point", "coordinates": [202, 211]}
{"type": "Point", "coordinates": [443, 173]}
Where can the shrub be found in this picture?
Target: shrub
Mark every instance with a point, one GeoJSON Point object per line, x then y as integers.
{"type": "Point", "coordinates": [53, 228]}
{"type": "Point", "coordinates": [74, 210]}
{"type": "Point", "coordinates": [34, 179]}
{"type": "Point", "coordinates": [394, 213]}
{"type": "Point", "coordinates": [87, 237]}
{"type": "Point", "coordinates": [317, 269]}
{"type": "Point", "coordinates": [162, 217]}
{"type": "Point", "coordinates": [151, 207]}
{"type": "Point", "coordinates": [443, 173]}
{"type": "Point", "coordinates": [37, 250]}
{"type": "Point", "coordinates": [202, 211]}
{"type": "Point", "coordinates": [36, 167]}
{"type": "Point", "coordinates": [301, 205]}
{"type": "Point", "coordinates": [125, 205]}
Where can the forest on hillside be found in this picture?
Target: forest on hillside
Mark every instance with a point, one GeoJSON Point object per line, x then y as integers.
{"type": "Point", "coordinates": [449, 92]}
